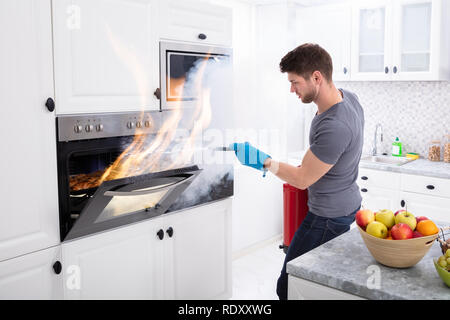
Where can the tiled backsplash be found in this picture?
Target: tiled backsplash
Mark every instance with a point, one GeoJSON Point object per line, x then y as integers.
{"type": "Point", "coordinates": [416, 112]}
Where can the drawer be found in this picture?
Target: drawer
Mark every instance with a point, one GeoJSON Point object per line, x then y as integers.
{"type": "Point", "coordinates": [378, 178]}
{"type": "Point", "coordinates": [426, 185]}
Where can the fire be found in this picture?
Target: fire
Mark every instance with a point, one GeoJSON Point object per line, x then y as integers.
{"type": "Point", "coordinates": [145, 153]}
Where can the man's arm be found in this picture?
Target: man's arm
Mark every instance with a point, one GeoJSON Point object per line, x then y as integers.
{"type": "Point", "coordinates": [311, 170]}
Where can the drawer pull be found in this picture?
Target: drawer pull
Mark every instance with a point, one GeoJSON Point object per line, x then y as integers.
{"type": "Point", "coordinates": [364, 178]}
{"type": "Point", "coordinates": [402, 203]}
{"type": "Point", "coordinates": [430, 187]}
{"type": "Point", "coordinates": [364, 190]}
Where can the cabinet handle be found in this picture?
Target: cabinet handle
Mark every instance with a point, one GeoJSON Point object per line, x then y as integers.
{"type": "Point", "coordinates": [386, 70]}
{"type": "Point", "coordinates": [202, 36]}
{"type": "Point", "coordinates": [395, 69]}
{"type": "Point", "coordinates": [170, 232]}
{"type": "Point", "coordinates": [364, 178]}
{"type": "Point", "coordinates": [402, 203]}
{"type": "Point", "coordinates": [160, 234]}
{"type": "Point", "coordinates": [430, 187]}
{"type": "Point", "coordinates": [364, 190]}
{"type": "Point", "coordinates": [50, 104]}
{"type": "Point", "coordinates": [157, 93]}
{"type": "Point", "coordinates": [57, 267]}
{"type": "Point", "coordinates": [345, 70]}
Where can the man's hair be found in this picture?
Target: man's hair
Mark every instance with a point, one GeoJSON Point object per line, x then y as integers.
{"type": "Point", "coordinates": [307, 58]}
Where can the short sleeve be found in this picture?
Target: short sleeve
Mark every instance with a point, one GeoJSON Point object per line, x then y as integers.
{"type": "Point", "coordinates": [330, 140]}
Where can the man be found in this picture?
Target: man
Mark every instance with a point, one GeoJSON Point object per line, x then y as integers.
{"type": "Point", "coordinates": [330, 166]}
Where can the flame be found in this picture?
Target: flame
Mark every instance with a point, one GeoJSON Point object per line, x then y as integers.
{"type": "Point", "coordinates": [145, 153]}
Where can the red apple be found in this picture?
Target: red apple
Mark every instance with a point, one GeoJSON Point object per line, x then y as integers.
{"type": "Point", "coordinates": [398, 211]}
{"type": "Point", "coordinates": [417, 234]}
{"type": "Point", "coordinates": [418, 219]}
{"type": "Point", "coordinates": [364, 217]}
{"type": "Point", "coordinates": [401, 231]}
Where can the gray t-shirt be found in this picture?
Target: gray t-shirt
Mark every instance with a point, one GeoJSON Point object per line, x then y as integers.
{"type": "Point", "coordinates": [336, 137]}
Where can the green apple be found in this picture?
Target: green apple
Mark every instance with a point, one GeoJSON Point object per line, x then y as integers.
{"type": "Point", "coordinates": [441, 258]}
{"type": "Point", "coordinates": [386, 217]}
{"type": "Point", "coordinates": [447, 253]}
{"type": "Point", "coordinates": [448, 261]}
{"type": "Point", "coordinates": [443, 263]}
{"type": "Point", "coordinates": [408, 218]}
{"type": "Point", "coordinates": [377, 229]}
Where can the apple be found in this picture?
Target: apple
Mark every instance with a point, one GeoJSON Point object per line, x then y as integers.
{"type": "Point", "coordinates": [398, 211]}
{"type": "Point", "coordinates": [418, 219]}
{"type": "Point", "coordinates": [417, 234]}
{"type": "Point", "coordinates": [401, 231]}
{"type": "Point", "coordinates": [406, 217]}
{"type": "Point", "coordinates": [386, 217]}
{"type": "Point", "coordinates": [364, 217]}
{"type": "Point", "coordinates": [377, 229]}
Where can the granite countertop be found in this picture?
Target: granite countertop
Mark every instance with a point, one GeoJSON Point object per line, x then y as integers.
{"type": "Point", "coordinates": [420, 166]}
{"type": "Point", "coordinates": [346, 264]}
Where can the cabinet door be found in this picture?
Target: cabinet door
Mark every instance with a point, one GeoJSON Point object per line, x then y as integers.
{"type": "Point", "coordinates": [196, 21]}
{"type": "Point", "coordinates": [434, 208]}
{"type": "Point", "coordinates": [124, 263]}
{"type": "Point", "coordinates": [375, 198]}
{"type": "Point", "coordinates": [32, 276]}
{"type": "Point", "coordinates": [106, 55]}
{"type": "Point", "coordinates": [416, 42]}
{"type": "Point", "coordinates": [371, 40]}
{"type": "Point", "coordinates": [28, 185]}
{"type": "Point", "coordinates": [332, 34]}
{"type": "Point", "coordinates": [198, 255]}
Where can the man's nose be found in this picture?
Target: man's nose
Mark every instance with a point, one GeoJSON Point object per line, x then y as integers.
{"type": "Point", "coordinates": [292, 88]}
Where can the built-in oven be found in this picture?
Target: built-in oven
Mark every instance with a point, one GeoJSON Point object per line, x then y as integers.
{"type": "Point", "coordinates": [116, 168]}
{"type": "Point", "coordinates": [180, 65]}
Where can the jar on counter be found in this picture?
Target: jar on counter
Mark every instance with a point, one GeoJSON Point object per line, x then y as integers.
{"type": "Point", "coordinates": [434, 150]}
{"type": "Point", "coordinates": [447, 148]}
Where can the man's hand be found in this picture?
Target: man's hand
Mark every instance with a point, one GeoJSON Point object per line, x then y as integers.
{"type": "Point", "coordinates": [249, 155]}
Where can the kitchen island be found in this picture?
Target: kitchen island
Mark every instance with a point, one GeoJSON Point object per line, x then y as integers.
{"type": "Point", "coordinates": [343, 268]}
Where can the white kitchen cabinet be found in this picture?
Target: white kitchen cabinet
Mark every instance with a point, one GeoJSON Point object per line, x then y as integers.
{"type": "Point", "coordinates": [106, 55]}
{"type": "Point", "coordinates": [400, 40]}
{"type": "Point", "coordinates": [195, 21]}
{"type": "Point", "coordinates": [198, 255]}
{"type": "Point", "coordinates": [125, 263]}
{"type": "Point", "coordinates": [29, 219]}
{"type": "Point", "coordinates": [434, 208]}
{"type": "Point", "coordinates": [371, 40]}
{"type": "Point", "coordinates": [332, 33]}
{"type": "Point", "coordinates": [32, 276]}
{"type": "Point", "coordinates": [147, 261]}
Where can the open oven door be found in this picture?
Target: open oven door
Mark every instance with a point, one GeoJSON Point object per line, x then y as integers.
{"type": "Point", "coordinates": [123, 201]}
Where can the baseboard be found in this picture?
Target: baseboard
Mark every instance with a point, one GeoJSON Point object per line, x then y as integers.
{"type": "Point", "coordinates": [256, 246]}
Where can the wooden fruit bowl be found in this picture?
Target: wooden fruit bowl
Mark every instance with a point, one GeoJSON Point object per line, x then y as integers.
{"type": "Point", "coordinates": [397, 253]}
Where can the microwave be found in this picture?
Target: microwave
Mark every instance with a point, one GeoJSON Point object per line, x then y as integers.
{"type": "Point", "coordinates": [179, 66]}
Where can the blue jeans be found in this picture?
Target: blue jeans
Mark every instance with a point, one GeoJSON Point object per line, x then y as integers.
{"type": "Point", "coordinates": [313, 232]}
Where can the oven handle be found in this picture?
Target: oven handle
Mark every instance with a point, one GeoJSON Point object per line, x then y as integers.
{"type": "Point", "coordinates": [144, 192]}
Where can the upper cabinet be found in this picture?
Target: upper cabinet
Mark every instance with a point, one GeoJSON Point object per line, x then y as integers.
{"type": "Point", "coordinates": [333, 34]}
{"type": "Point", "coordinates": [389, 39]}
{"type": "Point", "coordinates": [195, 21]}
{"type": "Point", "coordinates": [106, 55]}
{"type": "Point", "coordinates": [400, 40]}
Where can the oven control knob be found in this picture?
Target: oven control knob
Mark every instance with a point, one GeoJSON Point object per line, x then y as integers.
{"type": "Point", "coordinates": [139, 124]}
{"type": "Point", "coordinates": [78, 128]}
{"type": "Point", "coordinates": [99, 127]}
{"type": "Point", "coordinates": [130, 125]}
{"type": "Point", "coordinates": [147, 124]}
{"type": "Point", "coordinates": [89, 128]}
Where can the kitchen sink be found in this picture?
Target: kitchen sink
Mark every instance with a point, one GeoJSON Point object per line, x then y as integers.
{"type": "Point", "coordinates": [389, 160]}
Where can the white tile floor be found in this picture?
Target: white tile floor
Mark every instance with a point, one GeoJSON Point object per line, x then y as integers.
{"type": "Point", "coordinates": [255, 274]}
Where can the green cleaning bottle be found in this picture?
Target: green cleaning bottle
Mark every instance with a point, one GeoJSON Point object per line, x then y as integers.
{"type": "Point", "coordinates": [397, 148]}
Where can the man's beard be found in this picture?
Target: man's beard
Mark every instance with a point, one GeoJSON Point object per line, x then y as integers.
{"type": "Point", "coordinates": [310, 96]}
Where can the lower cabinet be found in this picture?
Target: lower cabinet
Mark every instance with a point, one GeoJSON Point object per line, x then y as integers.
{"type": "Point", "coordinates": [434, 208]}
{"type": "Point", "coordinates": [36, 275]}
{"type": "Point", "coordinates": [181, 255]}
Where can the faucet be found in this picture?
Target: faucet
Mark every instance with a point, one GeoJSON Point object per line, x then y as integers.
{"type": "Point", "coordinates": [374, 149]}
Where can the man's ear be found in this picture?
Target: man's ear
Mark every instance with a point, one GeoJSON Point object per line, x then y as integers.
{"type": "Point", "coordinates": [317, 77]}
